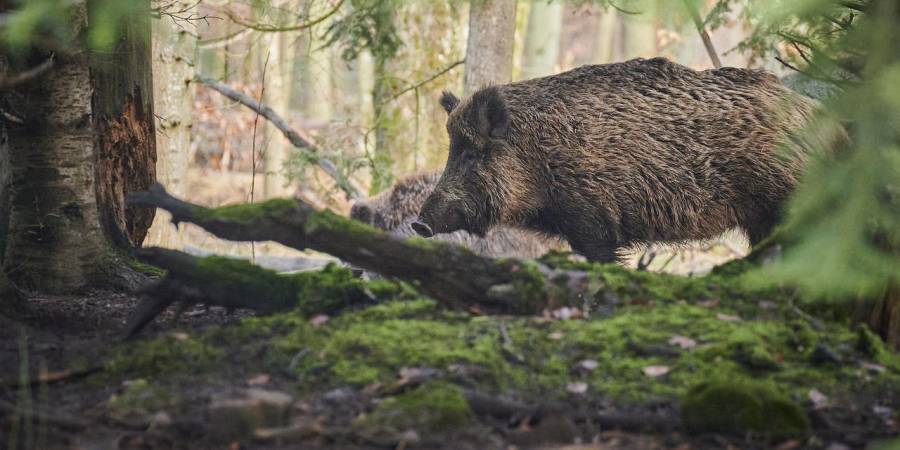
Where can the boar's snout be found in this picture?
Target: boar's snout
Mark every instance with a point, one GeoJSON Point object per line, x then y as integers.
{"type": "Point", "coordinates": [422, 229]}
{"type": "Point", "coordinates": [435, 219]}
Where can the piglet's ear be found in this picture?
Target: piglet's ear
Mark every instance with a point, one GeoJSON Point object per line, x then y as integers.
{"type": "Point", "coordinates": [449, 101]}
{"type": "Point", "coordinates": [491, 112]}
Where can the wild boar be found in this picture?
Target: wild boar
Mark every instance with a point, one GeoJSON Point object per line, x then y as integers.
{"type": "Point", "coordinates": [616, 155]}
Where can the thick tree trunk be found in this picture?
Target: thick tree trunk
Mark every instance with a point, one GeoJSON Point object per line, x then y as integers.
{"type": "Point", "coordinates": [174, 56]}
{"type": "Point", "coordinates": [542, 39]}
{"type": "Point", "coordinates": [84, 142]}
{"type": "Point", "coordinates": [489, 49]}
{"type": "Point", "coordinates": [122, 81]}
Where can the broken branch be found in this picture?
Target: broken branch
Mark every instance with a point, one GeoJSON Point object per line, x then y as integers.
{"type": "Point", "coordinates": [295, 137]}
{"type": "Point", "coordinates": [452, 275]}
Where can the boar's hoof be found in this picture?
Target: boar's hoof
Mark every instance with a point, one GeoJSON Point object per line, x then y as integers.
{"type": "Point", "coordinates": [422, 229]}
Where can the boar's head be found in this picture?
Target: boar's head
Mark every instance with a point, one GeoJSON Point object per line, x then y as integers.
{"type": "Point", "coordinates": [485, 180]}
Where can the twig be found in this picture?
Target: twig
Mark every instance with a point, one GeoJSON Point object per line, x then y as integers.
{"type": "Point", "coordinates": [253, 161]}
{"type": "Point", "coordinates": [296, 138]}
{"type": "Point", "coordinates": [52, 377]}
{"type": "Point", "coordinates": [427, 80]}
{"type": "Point", "coordinates": [707, 42]}
{"type": "Point", "coordinates": [68, 422]}
{"type": "Point", "coordinates": [277, 29]}
{"type": "Point", "coordinates": [8, 82]}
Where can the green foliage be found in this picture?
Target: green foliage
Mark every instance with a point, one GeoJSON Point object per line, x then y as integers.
{"type": "Point", "coordinates": [55, 25]}
{"type": "Point", "coordinates": [843, 226]}
{"type": "Point", "coordinates": [370, 25]}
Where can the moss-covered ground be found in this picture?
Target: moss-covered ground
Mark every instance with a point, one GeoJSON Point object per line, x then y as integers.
{"type": "Point", "coordinates": [746, 362]}
{"type": "Point", "coordinates": [741, 359]}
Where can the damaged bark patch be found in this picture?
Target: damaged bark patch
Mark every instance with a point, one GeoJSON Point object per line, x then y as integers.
{"type": "Point", "coordinates": [126, 162]}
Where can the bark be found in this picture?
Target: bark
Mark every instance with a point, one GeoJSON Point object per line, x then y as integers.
{"type": "Point", "coordinates": [542, 39]}
{"type": "Point", "coordinates": [883, 315]}
{"type": "Point", "coordinates": [124, 127]}
{"type": "Point", "coordinates": [489, 48]}
{"type": "Point", "coordinates": [174, 57]}
{"type": "Point", "coordinates": [84, 140]}
{"type": "Point", "coordinates": [453, 275]}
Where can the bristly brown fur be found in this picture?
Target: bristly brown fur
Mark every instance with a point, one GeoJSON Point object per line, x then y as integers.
{"type": "Point", "coordinates": [616, 155]}
{"type": "Point", "coordinates": [395, 209]}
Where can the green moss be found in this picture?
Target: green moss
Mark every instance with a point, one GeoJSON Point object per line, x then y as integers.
{"type": "Point", "coordinates": [741, 406]}
{"type": "Point", "coordinates": [166, 354]}
{"type": "Point", "coordinates": [751, 350]}
{"type": "Point", "coordinates": [248, 213]}
{"type": "Point", "coordinates": [434, 407]}
{"type": "Point", "coordinates": [144, 268]}
{"type": "Point", "coordinates": [141, 399]}
{"type": "Point", "coordinates": [324, 291]}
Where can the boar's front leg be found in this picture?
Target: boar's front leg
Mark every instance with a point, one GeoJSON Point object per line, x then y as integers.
{"type": "Point", "coordinates": [594, 246]}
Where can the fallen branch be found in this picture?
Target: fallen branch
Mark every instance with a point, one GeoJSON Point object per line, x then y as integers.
{"type": "Point", "coordinates": [235, 283]}
{"type": "Point", "coordinates": [295, 137]}
{"type": "Point", "coordinates": [452, 275]}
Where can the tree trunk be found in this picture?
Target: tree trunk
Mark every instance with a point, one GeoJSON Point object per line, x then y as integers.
{"type": "Point", "coordinates": [174, 57]}
{"type": "Point", "coordinates": [85, 142]}
{"type": "Point", "coordinates": [639, 36]}
{"type": "Point", "coordinates": [604, 37]}
{"type": "Point", "coordinates": [278, 96]}
{"type": "Point", "coordinates": [542, 39]}
{"type": "Point", "coordinates": [489, 48]}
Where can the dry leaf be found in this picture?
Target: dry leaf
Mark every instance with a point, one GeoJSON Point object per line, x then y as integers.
{"type": "Point", "coordinates": [819, 400]}
{"type": "Point", "coordinates": [875, 368]}
{"type": "Point", "coordinates": [656, 371]}
{"type": "Point", "coordinates": [179, 336]}
{"type": "Point", "coordinates": [577, 388]}
{"type": "Point", "coordinates": [728, 318]}
{"type": "Point", "coordinates": [588, 364]}
{"type": "Point", "coordinates": [259, 380]}
{"type": "Point", "coordinates": [683, 342]}
{"type": "Point", "coordinates": [556, 335]}
{"type": "Point", "coordinates": [318, 320]}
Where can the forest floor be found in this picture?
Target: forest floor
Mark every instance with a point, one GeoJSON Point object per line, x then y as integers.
{"type": "Point", "coordinates": [407, 373]}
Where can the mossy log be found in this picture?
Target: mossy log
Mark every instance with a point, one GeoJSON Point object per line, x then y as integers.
{"type": "Point", "coordinates": [451, 274]}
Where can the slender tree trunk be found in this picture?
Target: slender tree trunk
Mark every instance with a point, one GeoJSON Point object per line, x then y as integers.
{"type": "Point", "coordinates": [604, 37]}
{"type": "Point", "coordinates": [278, 95]}
{"type": "Point", "coordinates": [174, 57]}
{"type": "Point", "coordinates": [542, 39]}
{"type": "Point", "coordinates": [85, 142]}
{"type": "Point", "coordinates": [489, 49]}
{"type": "Point", "coordinates": [639, 36]}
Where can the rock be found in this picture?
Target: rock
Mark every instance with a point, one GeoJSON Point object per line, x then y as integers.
{"type": "Point", "coordinates": [238, 415]}
{"type": "Point", "coordinates": [741, 406]}
{"type": "Point", "coordinates": [823, 354]}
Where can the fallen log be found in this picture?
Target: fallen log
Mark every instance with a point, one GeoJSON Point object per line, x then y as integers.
{"type": "Point", "coordinates": [452, 275]}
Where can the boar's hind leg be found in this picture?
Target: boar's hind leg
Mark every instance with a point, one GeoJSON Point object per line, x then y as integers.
{"type": "Point", "coordinates": [760, 225]}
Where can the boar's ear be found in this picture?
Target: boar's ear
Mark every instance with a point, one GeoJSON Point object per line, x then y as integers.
{"type": "Point", "coordinates": [448, 101]}
{"type": "Point", "coordinates": [493, 116]}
